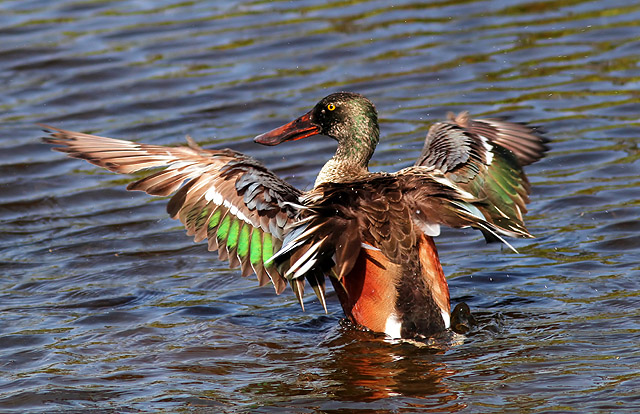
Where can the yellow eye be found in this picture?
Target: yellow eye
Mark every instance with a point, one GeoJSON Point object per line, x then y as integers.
{"type": "Point", "coordinates": [331, 107]}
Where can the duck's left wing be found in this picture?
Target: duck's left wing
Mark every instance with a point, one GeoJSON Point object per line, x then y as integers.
{"type": "Point", "coordinates": [230, 199]}
{"type": "Point", "coordinates": [483, 158]}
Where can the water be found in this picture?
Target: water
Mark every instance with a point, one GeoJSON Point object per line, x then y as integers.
{"type": "Point", "coordinates": [105, 305]}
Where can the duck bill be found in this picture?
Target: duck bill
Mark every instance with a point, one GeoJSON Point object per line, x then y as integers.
{"type": "Point", "coordinates": [294, 130]}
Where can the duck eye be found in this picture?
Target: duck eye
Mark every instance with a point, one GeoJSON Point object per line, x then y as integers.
{"type": "Point", "coordinates": [331, 107]}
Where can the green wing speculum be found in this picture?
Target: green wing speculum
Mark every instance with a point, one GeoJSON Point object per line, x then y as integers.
{"type": "Point", "coordinates": [241, 209]}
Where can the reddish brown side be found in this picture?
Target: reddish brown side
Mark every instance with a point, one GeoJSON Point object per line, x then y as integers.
{"type": "Point", "coordinates": [433, 273]}
{"type": "Point", "coordinates": [369, 294]}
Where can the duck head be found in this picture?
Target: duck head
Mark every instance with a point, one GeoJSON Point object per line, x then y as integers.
{"type": "Point", "coordinates": [349, 118]}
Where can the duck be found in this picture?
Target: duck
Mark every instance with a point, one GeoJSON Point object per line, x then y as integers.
{"type": "Point", "coordinates": [371, 234]}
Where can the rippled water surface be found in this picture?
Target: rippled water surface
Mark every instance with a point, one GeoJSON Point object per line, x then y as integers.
{"type": "Point", "coordinates": [106, 306]}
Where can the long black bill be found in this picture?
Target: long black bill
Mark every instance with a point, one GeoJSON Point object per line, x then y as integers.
{"type": "Point", "coordinates": [297, 129]}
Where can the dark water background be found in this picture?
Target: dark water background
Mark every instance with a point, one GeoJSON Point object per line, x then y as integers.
{"type": "Point", "coordinates": [105, 305]}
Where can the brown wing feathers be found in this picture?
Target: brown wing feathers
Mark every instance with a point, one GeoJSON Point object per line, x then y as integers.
{"type": "Point", "coordinates": [229, 198]}
{"type": "Point", "coordinates": [524, 141]}
{"type": "Point", "coordinates": [337, 222]}
{"type": "Point", "coordinates": [485, 158]}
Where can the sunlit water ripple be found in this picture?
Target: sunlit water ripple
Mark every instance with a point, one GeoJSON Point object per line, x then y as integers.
{"type": "Point", "coordinates": [105, 305]}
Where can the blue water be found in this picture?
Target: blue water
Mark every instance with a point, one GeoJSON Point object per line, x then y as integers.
{"type": "Point", "coordinates": [106, 306]}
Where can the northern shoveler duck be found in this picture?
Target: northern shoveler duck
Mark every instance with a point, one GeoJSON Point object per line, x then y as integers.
{"type": "Point", "coordinates": [370, 233]}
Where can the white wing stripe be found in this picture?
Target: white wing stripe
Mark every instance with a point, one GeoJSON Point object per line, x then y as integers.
{"type": "Point", "coordinates": [304, 269]}
{"type": "Point", "coordinates": [487, 146]}
{"type": "Point", "coordinates": [217, 198]}
{"type": "Point", "coordinates": [448, 183]}
{"type": "Point", "coordinates": [305, 257]}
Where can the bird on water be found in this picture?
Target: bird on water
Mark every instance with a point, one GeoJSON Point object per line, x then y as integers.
{"type": "Point", "coordinates": [370, 234]}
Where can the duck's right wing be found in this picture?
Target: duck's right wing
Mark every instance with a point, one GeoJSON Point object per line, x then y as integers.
{"type": "Point", "coordinates": [230, 199]}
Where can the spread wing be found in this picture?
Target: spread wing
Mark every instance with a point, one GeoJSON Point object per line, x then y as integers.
{"type": "Point", "coordinates": [230, 199]}
{"type": "Point", "coordinates": [485, 158]}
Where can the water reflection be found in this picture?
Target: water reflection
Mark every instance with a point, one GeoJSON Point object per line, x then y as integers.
{"type": "Point", "coordinates": [367, 368]}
